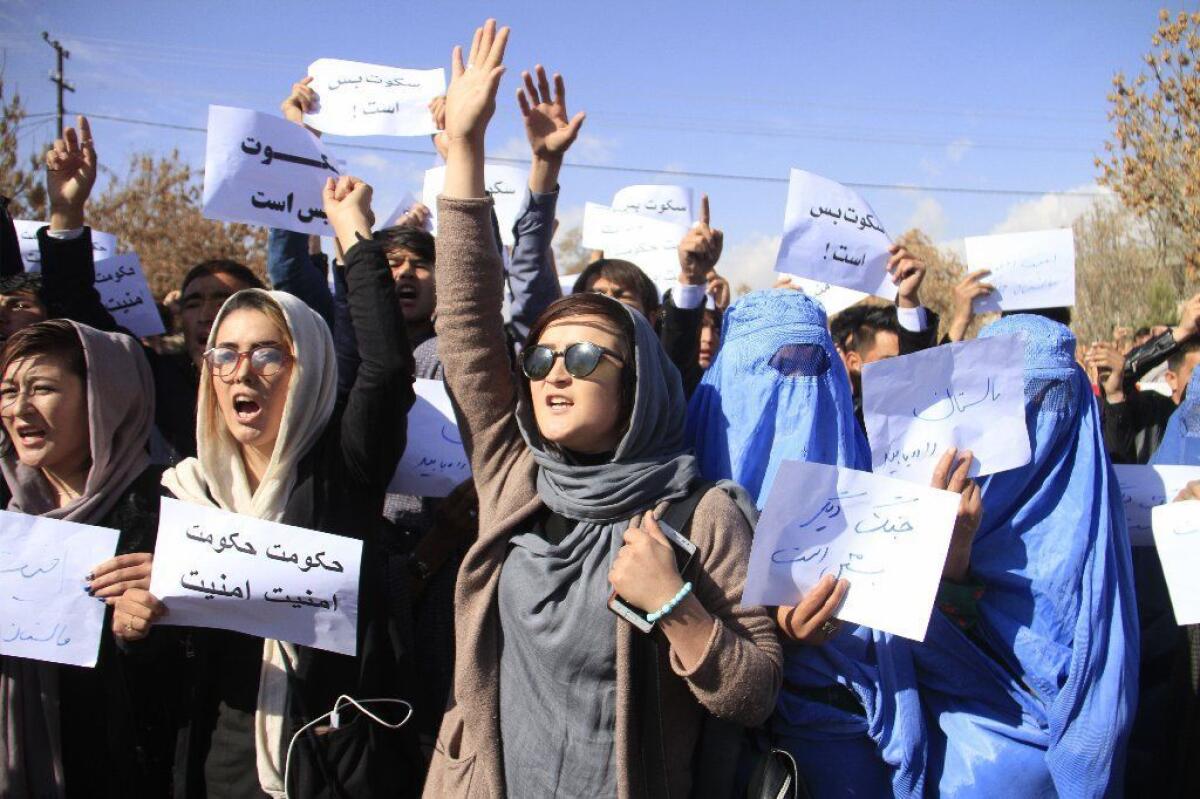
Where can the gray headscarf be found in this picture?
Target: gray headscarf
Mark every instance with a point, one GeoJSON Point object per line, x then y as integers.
{"type": "Point", "coordinates": [558, 660]}
{"type": "Point", "coordinates": [120, 397]}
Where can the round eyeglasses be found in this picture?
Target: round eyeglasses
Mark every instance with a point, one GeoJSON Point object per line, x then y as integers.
{"type": "Point", "coordinates": [264, 361]}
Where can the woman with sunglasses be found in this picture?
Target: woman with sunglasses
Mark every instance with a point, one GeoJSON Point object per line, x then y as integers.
{"type": "Point", "coordinates": [572, 461]}
{"type": "Point", "coordinates": [77, 405]}
{"type": "Point", "coordinates": [275, 443]}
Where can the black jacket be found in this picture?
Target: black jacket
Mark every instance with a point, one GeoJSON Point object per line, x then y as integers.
{"type": "Point", "coordinates": [69, 292]}
{"type": "Point", "coordinates": [118, 720]}
{"type": "Point", "coordinates": [339, 489]}
{"type": "Point", "coordinates": [679, 331]}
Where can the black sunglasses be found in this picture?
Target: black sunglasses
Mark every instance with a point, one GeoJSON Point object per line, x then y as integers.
{"type": "Point", "coordinates": [580, 359]}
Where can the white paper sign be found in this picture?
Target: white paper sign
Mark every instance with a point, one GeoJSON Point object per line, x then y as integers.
{"type": "Point", "coordinates": [45, 614]}
{"type": "Point", "coordinates": [356, 99]}
{"type": "Point", "coordinates": [1028, 270]}
{"type": "Point", "coordinates": [1177, 536]}
{"type": "Point", "coordinates": [668, 203]}
{"type": "Point", "coordinates": [888, 537]}
{"type": "Point", "coordinates": [567, 283]}
{"type": "Point", "coordinates": [125, 293]}
{"type": "Point", "coordinates": [218, 569]}
{"type": "Point", "coordinates": [120, 280]}
{"type": "Point", "coordinates": [1145, 487]}
{"type": "Point", "coordinates": [505, 184]}
{"type": "Point", "coordinates": [968, 395]}
{"type": "Point", "coordinates": [831, 234]}
{"type": "Point", "coordinates": [434, 461]}
{"type": "Point", "coordinates": [104, 245]}
{"type": "Point", "coordinates": [835, 299]}
{"type": "Point", "coordinates": [651, 244]}
{"type": "Point", "coordinates": [264, 170]}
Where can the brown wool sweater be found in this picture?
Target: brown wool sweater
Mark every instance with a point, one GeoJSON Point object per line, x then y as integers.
{"type": "Point", "coordinates": [738, 676]}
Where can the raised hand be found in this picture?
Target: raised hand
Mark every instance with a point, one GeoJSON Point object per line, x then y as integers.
{"type": "Point", "coordinates": [437, 109]}
{"type": "Point", "coordinates": [1189, 319]}
{"type": "Point", "coordinates": [348, 208]}
{"type": "Point", "coordinates": [811, 621]}
{"type": "Point", "coordinates": [302, 100]}
{"type": "Point", "coordinates": [907, 273]}
{"type": "Point", "coordinates": [549, 130]}
{"type": "Point", "coordinates": [718, 289]}
{"type": "Point", "coordinates": [1189, 491]}
{"type": "Point", "coordinates": [700, 248]}
{"type": "Point", "coordinates": [1109, 364]}
{"type": "Point", "coordinates": [965, 292]}
{"type": "Point", "coordinates": [471, 96]}
{"type": "Point", "coordinates": [70, 175]}
{"type": "Point", "coordinates": [952, 475]}
{"type": "Point", "coordinates": [417, 216]}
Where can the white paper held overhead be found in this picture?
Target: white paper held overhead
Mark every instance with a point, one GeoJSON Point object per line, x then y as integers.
{"type": "Point", "coordinates": [104, 245]}
{"type": "Point", "coordinates": [357, 99]}
{"type": "Point", "coordinates": [264, 170]}
{"type": "Point", "coordinates": [668, 203]}
{"type": "Point", "coordinates": [651, 244]}
{"type": "Point", "coordinates": [1028, 270]}
{"type": "Point", "coordinates": [506, 185]}
{"type": "Point", "coordinates": [832, 235]}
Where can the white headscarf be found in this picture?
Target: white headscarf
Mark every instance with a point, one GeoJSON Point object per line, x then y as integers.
{"type": "Point", "coordinates": [218, 478]}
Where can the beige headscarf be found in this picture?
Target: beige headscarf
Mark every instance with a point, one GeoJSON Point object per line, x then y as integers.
{"type": "Point", "coordinates": [217, 478]}
{"type": "Point", "coordinates": [120, 408]}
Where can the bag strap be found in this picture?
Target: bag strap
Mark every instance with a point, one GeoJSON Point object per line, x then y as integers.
{"type": "Point", "coordinates": [653, 749]}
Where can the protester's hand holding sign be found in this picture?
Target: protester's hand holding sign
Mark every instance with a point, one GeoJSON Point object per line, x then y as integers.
{"type": "Point", "coordinates": [907, 273]}
{"type": "Point", "coordinates": [70, 174]}
{"type": "Point", "coordinates": [550, 131]}
{"type": "Point", "coordinates": [417, 216]}
{"type": "Point", "coordinates": [1190, 491]}
{"type": "Point", "coordinates": [718, 289]}
{"type": "Point", "coordinates": [965, 293]}
{"type": "Point", "coordinates": [951, 475]}
{"type": "Point", "coordinates": [811, 621]}
{"type": "Point", "coordinates": [700, 249]}
{"type": "Point", "coordinates": [301, 101]}
{"type": "Point", "coordinates": [112, 578]}
{"type": "Point", "coordinates": [437, 109]}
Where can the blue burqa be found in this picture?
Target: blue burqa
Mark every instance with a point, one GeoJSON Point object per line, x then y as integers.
{"type": "Point", "coordinates": [1039, 698]}
{"type": "Point", "coordinates": [778, 391]}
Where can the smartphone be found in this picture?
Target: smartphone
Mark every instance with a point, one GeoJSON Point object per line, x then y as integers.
{"type": "Point", "coordinates": [685, 550]}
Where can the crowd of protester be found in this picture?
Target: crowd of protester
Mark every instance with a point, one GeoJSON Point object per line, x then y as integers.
{"type": "Point", "coordinates": [1053, 665]}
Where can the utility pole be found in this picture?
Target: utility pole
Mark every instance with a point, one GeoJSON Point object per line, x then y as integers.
{"type": "Point", "coordinates": [58, 79]}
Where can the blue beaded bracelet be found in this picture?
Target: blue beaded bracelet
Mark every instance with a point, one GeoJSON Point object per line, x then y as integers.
{"type": "Point", "coordinates": [670, 606]}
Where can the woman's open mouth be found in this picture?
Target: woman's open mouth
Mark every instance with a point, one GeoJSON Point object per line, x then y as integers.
{"type": "Point", "coordinates": [247, 410]}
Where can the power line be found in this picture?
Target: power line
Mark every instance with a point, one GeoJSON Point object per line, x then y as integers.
{"type": "Point", "coordinates": [648, 171]}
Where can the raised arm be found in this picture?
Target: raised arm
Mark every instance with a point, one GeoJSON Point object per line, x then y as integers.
{"type": "Point", "coordinates": [469, 272]}
{"type": "Point", "coordinates": [531, 276]}
{"type": "Point", "coordinates": [289, 265]}
{"type": "Point", "coordinates": [68, 269]}
{"type": "Point", "coordinates": [374, 421]}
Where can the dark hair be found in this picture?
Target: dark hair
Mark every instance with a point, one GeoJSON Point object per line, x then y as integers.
{"type": "Point", "coordinates": [22, 282]}
{"type": "Point", "coordinates": [712, 318]}
{"type": "Point", "coordinates": [56, 337]}
{"type": "Point", "coordinates": [221, 266]}
{"type": "Point", "coordinates": [611, 311]}
{"type": "Point", "coordinates": [1175, 359]}
{"type": "Point", "coordinates": [1141, 331]}
{"type": "Point", "coordinates": [855, 328]}
{"type": "Point", "coordinates": [626, 275]}
{"type": "Point", "coordinates": [417, 241]}
{"type": "Point", "coordinates": [1060, 314]}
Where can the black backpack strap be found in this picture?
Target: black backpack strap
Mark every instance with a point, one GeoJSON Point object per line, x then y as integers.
{"type": "Point", "coordinates": [679, 513]}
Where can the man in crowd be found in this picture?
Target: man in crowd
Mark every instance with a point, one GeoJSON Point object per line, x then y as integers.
{"type": "Point", "coordinates": [1134, 419]}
